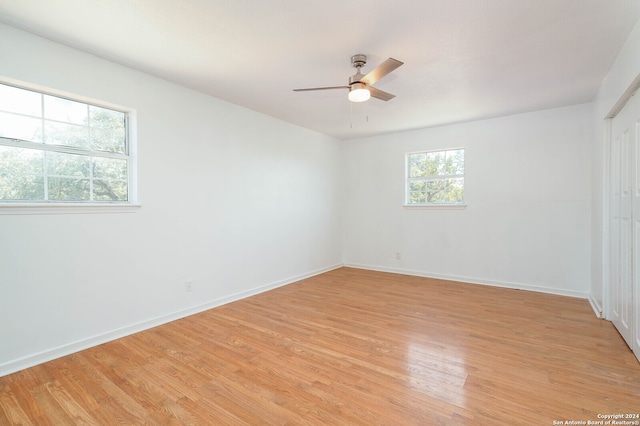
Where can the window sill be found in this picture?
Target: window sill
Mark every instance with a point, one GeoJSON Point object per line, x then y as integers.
{"type": "Point", "coordinates": [435, 206]}
{"type": "Point", "coordinates": [63, 208]}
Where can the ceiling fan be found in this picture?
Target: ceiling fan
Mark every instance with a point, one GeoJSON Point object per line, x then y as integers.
{"type": "Point", "coordinates": [360, 85]}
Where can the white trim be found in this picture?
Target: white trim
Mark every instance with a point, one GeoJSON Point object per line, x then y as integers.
{"type": "Point", "coordinates": [606, 217]}
{"type": "Point", "coordinates": [68, 208]}
{"type": "Point", "coordinates": [67, 349]}
{"type": "Point", "coordinates": [420, 151]}
{"type": "Point", "coordinates": [471, 280]}
{"type": "Point", "coordinates": [595, 306]}
{"type": "Point", "coordinates": [39, 146]}
{"type": "Point", "coordinates": [624, 98]}
{"type": "Point", "coordinates": [435, 206]}
{"type": "Point", "coordinates": [45, 90]}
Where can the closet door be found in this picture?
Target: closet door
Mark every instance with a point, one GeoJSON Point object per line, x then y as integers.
{"type": "Point", "coordinates": [621, 257]}
{"type": "Point", "coordinates": [625, 224]}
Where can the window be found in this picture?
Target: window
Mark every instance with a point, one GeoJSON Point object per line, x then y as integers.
{"type": "Point", "coordinates": [56, 150]}
{"type": "Point", "coordinates": [435, 177]}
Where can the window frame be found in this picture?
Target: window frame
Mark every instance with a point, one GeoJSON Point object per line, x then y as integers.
{"type": "Point", "coordinates": [408, 179]}
{"type": "Point", "coordinates": [77, 206]}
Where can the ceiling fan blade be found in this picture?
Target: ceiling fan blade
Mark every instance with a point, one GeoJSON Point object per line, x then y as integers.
{"type": "Point", "coordinates": [379, 94]}
{"type": "Point", "coordinates": [320, 88]}
{"type": "Point", "coordinates": [381, 70]}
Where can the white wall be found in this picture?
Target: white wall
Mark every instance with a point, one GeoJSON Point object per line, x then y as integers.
{"type": "Point", "coordinates": [527, 223]}
{"type": "Point", "coordinates": [624, 71]}
{"type": "Point", "coordinates": [234, 200]}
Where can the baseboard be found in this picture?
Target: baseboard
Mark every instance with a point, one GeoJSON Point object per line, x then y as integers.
{"type": "Point", "coordinates": [595, 306]}
{"type": "Point", "coordinates": [472, 280]}
{"type": "Point", "coordinates": [67, 349]}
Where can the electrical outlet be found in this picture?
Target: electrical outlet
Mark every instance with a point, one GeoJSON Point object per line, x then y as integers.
{"type": "Point", "coordinates": [188, 285]}
{"type": "Point", "coordinates": [398, 255]}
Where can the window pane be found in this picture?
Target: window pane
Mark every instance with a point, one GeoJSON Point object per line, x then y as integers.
{"type": "Point", "coordinates": [435, 163]}
{"type": "Point", "coordinates": [436, 191]}
{"type": "Point", "coordinates": [21, 174]}
{"type": "Point", "coordinates": [21, 187]}
{"type": "Point", "coordinates": [68, 189]}
{"type": "Point", "coordinates": [417, 197]}
{"type": "Point", "coordinates": [417, 185]}
{"type": "Point", "coordinates": [109, 168]}
{"type": "Point", "coordinates": [20, 101]}
{"type": "Point", "coordinates": [113, 190]}
{"type": "Point", "coordinates": [417, 165]}
{"type": "Point", "coordinates": [456, 155]}
{"type": "Point", "coordinates": [65, 110]}
{"type": "Point", "coordinates": [20, 127]}
{"type": "Point", "coordinates": [455, 169]}
{"type": "Point", "coordinates": [455, 162]}
{"type": "Point", "coordinates": [66, 134]}
{"type": "Point", "coordinates": [68, 165]}
{"type": "Point", "coordinates": [107, 130]}
{"type": "Point", "coordinates": [20, 161]}
{"type": "Point", "coordinates": [455, 190]}
{"type": "Point", "coordinates": [436, 185]}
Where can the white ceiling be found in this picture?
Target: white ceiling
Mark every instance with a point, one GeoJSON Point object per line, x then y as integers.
{"type": "Point", "coordinates": [464, 59]}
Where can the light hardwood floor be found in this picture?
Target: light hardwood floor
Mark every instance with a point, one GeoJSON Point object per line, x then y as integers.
{"type": "Point", "coordinates": [347, 347]}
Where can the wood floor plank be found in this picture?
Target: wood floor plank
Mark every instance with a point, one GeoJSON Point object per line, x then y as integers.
{"type": "Point", "coordinates": [11, 411]}
{"type": "Point", "coordinates": [346, 347]}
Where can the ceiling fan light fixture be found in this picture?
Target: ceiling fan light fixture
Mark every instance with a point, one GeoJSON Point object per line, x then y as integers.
{"type": "Point", "coordinates": [358, 92]}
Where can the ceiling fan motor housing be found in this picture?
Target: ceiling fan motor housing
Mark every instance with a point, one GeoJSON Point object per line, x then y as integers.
{"type": "Point", "coordinates": [355, 79]}
{"type": "Point", "coordinates": [359, 60]}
